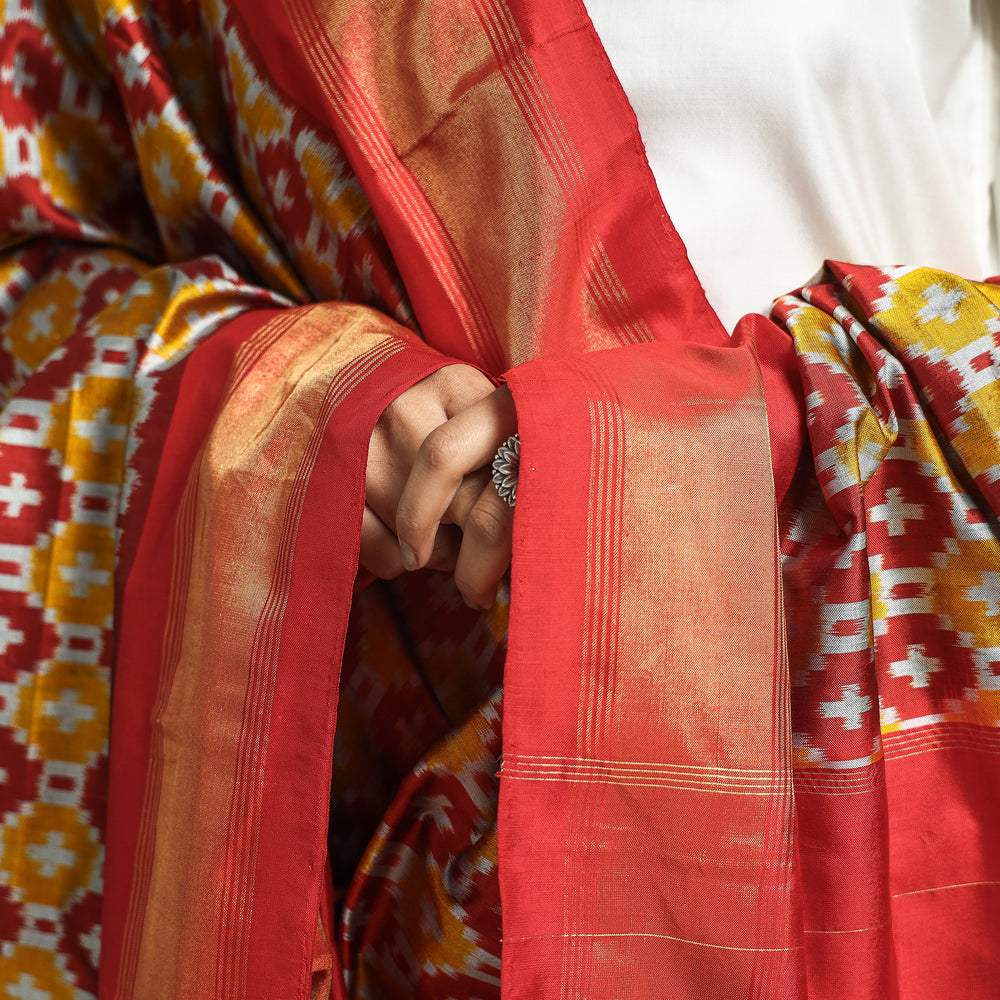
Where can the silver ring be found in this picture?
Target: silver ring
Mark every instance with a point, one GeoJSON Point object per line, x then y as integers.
{"type": "Point", "coordinates": [506, 463]}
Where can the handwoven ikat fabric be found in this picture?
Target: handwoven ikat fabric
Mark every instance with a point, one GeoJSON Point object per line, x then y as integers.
{"type": "Point", "coordinates": [172, 184]}
{"type": "Point", "coordinates": [131, 229]}
{"type": "Point", "coordinates": [904, 419]}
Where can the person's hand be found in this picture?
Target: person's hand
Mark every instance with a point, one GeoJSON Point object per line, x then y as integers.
{"type": "Point", "coordinates": [451, 481]}
{"type": "Point", "coordinates": [395, 442]}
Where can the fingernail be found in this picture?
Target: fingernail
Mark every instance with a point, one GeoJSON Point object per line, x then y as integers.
{"type": "Point", "coordinates": [408, 555]}
{"type": "Point", "coordinates": [475, 607]}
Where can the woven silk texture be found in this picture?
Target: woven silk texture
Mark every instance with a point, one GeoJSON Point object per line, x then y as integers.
{"type": "Point", "coordinates": [731, 727]}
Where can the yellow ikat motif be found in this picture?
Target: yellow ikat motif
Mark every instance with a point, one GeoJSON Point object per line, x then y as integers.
{"type": "Point", "coordinates": [148, 214]}
{"type": "Point", "coordinates": [900, 371]}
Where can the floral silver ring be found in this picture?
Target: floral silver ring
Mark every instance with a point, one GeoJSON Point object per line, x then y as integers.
{"type": "Point", "coordinates": [506, 463]}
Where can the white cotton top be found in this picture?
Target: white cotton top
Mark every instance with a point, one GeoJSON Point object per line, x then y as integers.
{"type": "Point", "coordinates": [784, 132]}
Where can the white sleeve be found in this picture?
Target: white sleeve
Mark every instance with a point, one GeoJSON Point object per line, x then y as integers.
{"type": "Point", "coordinates": [784, 132]}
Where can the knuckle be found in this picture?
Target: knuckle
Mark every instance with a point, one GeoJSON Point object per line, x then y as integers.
{"type": "Point", "coordinates": [464, 500]}
{"type": "Point", "coordinates": [393, 415]}
{"type": "Point", "coordinates": [381, 563]}
{"type": "Point", "coordinates": [441, 449]}
{"type": "Point", "coordinates": [488, 522]}
{"type": "Point", "coordinates": [389, 571]}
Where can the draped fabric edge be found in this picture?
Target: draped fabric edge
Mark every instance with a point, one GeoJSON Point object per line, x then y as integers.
{"type": "Point", "coordinates": [644, 685]}
{"type": "Point", "coordinates": [601, 449]}
{"type": "Point", "coordinates": [228, 665]}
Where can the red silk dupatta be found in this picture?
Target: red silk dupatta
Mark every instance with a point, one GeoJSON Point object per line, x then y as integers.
{"type": "Point", "coordinates": [682, 811]}
{"type": "Point", "coordinates": [518, 236]}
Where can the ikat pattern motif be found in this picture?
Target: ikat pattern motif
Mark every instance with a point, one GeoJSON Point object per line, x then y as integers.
{"type": "Point", "coordinates": [153, 185]}
{"type": "Point", "coordinates": [65, 438]}
{"type": "Point", "coordinates": [900, 372]}
{"type": "Point", "coordinates": [133, 224]}
{"type": "Point", "coordinates": [415, 793]}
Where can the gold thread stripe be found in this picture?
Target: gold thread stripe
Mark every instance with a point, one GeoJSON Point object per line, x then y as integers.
{"type": "Point", "coordinates": [868, 776]}
{"type": "Point", "coordinates": [595, 936]}
{"type": "Point", "coordinates": [624, 771]}
{"type": "Point", "coordinates": [172, 642]}
{"type": "Point", "coordinates": [691, 786]}
{"type": "Point", "coordinates": [372, 138]}
{"type": "Point", "coordinates": [596, 528]}
{"type": "Point", "coordinates": [941, 888]}
{"type": "Point", "coordinates": [236, 901]}
{"type": "Point", "coordinates": [256, 346]}
{"type": "Point", "coordinates": [602, 722]}
{"type": "Point", "coordinates": [852, 930]}
{"type": "Point", "coordinates": [614, 300]}
{"type": "Point", "coordinates": [770, 780]}
{"type": "Point", "coordinates": [845, 790]}
{"type": "Point", "coordinates": [527, 759]}
{"type": "Point", "coordinates": [835, 791]}
{"type": "Point", "coordinates": [555, 144]}
{"type": "Point", "coordinates": [766, 778]}
{"type": "Point", "coordinates": [236, 898]}
{"type": "Point", "coordinates": [576, 857]}
{"type": "Point", "coordinates": [604, 525]}
{"type": "Point", "coordinates": [598, 657]}
{"type": "Point", "coordinates": [610, 514]}
{"type": "Point", "coordinates": [574, 906]}
{"type": "Point", "coordinates": [531, 94]}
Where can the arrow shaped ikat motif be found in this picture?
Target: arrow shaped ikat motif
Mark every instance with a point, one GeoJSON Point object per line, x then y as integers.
{"type": "Point", "coordinates": [900, 370]}
{"type": "Point", "coordinates": [133, 225]}
{"type": "Point", "coordinates": [153, 186]}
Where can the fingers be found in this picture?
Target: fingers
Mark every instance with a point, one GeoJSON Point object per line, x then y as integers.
{"type": "Point", "coordinates": [427, 482]}
{"type": "Point", "coordinates": [447, 544]}
{"type": "Point", "coordinates": [406, 422]}
{"type": "Point", "coordinates": [380, 553]}
{"type": "Point", "coordinates": [462, 386]}
{"type": "Point", "coordinates": [465, 443]}
{"type": "Point", "coordinates": [379, 548]}
{"type": "Point", "coordinates": [487, 533]}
